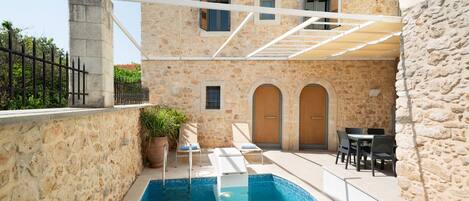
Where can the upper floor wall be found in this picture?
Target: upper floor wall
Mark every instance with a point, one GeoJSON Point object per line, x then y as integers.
{"type": "Point", "coordinates": [171, 31]}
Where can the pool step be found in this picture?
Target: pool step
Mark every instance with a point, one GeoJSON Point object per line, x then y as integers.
{"type": "Point", "coordinates": [231, 170]}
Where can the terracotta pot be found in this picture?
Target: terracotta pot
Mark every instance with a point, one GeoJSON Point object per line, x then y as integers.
{"type": "Point", "coordinates": [156, 150]}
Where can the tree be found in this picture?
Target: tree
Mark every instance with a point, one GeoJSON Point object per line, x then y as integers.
{"type": "Point", "coordinates": [44, 46]}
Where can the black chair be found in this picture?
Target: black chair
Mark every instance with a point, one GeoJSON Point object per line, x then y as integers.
{"type": "Point", "coordinates": [345, 148]}
{"type": "Point", "coordinates": [375, 131]}
{"type": "Point", "coordinates": [382, 148]}
{"type": "Point", "coordinates": [354, 130]}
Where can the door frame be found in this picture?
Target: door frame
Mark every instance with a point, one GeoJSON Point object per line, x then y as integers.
{"type": "Point", "coordinates": [326, 122]}
{"type": "Point", "coordinates": [280, 140]}
{"type": "Point", "coordinates": [332, 109]}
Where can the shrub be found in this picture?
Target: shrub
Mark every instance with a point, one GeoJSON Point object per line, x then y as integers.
{"type": "Point", "coordinates": [128, 75]}
{"type": "Point", "coordinates": [162, 121]}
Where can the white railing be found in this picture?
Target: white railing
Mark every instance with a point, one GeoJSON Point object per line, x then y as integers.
{"type": "Point", "coordinates": [190, 165]}
{"type": "Point", "coordinates": [165, 160]}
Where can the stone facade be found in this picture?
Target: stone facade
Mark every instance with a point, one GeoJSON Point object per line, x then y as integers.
{"type": "Point", "coordinates": [86, 157]}
{"type": "Point", "coordinates": [174, 30]}
{"type": "Point", "coordinates": [181, 84]}
{"type": "Point", "coordinates": [432, 117]}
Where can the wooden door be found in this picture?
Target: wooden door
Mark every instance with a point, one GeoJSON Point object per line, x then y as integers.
{"type": "Point", "coordinates": [267, 115]}
{"type": "Point", "coordinates": [313, 115]}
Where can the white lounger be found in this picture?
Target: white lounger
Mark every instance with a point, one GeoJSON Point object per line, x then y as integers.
{"type": "Point", "coordinates": [188, 142]}
{"type": "Point", "coordinates": [242, 140]}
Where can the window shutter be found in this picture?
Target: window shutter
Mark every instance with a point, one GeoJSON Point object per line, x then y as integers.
{"type": "Point", "coordinates": [203, 18]}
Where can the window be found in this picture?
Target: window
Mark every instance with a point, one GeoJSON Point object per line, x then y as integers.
{"type": "Point", "coordinates": [212, 100]}
{"type": "Point", "coordinates": [325, 6]}
{"type": "Point", "coordinates": [267, 3]}
{"type": "Point", "coordinates": [215, 20]}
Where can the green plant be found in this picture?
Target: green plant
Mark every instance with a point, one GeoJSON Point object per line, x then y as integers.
{"type": "Point", "coordinates": [128, 75]}
{"type": "Point", "coordinates": [162, 121]}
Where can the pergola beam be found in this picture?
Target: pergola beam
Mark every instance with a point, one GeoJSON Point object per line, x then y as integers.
{"type": "Point", "coordinates": [310, 36]}
{"type": "Point", "coordinates": [374, 42]}
{"type": "Point", "coordinates": [336, 23]}
{"type": "Point", "coordinates": [127, 33]}
{"type": "Point", "coordinates": [267, 10]}
{"type": "Point", "coordinates": [285, 35]}
{"type": "Point", "coordinates": [233, 34]}
{"type": "Point", "coordinates": [332, 38]}
{"type": "Point", "coordinates": [268, 58]}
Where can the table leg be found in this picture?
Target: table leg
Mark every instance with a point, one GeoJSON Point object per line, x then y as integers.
{"type": "Point", "coordinates": [359, 157]}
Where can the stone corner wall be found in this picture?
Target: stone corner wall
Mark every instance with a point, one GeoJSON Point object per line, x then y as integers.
{"type": "Point", "coordinates": [94, 156]}
{"type": "Point", "coordinates": [432, 117]}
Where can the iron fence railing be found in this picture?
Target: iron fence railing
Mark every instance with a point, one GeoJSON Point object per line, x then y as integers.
{"type": "Point", "coordinates": [36, 80]}
{"type": "Point", "coordinates": [128, 91]}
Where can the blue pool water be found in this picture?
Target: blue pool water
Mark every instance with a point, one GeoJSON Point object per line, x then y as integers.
{"type": "Point", "coordinates": [262, 187]}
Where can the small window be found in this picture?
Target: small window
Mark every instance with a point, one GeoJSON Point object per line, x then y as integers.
{"type": "Point", "coordinates": [212, 97]}
{"type": "Point", "coordinates": [270, 4]}
{"type": "Point", "coordinates": [215, 20]}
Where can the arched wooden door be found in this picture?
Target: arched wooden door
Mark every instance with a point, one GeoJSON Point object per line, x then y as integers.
{"type": "Point", "coordinates": [267, 116]}
{"type": "Point", "coordinates": [313, 117]}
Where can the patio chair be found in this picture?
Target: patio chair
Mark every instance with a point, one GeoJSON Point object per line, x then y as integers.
{"type": "Point", "coordinates": [382, 148]}
{"type": "Point", "coordinates": [345, 147]}
{"type": "Point", "coordinates": [243, 142]}
{"type": "Point", "coordinates": [188, 142]}
{"type": "Point", "coordinates": [354, 131]}
{"type": "Point", "coordinates": [375, 131]}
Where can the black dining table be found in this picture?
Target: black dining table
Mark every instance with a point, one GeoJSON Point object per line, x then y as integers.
{"type": "Point", "coordinates": [360, 138]}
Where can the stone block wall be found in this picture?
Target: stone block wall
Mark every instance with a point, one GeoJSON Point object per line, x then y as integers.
{"type": "Point", "coordinates": [181, 84]}
{"type": "Point", "coordinates": [83, 157]}
{"type": "Point", "coordinates": [432, 117]}
{"type": "Point", "coordinates": [91, 38]}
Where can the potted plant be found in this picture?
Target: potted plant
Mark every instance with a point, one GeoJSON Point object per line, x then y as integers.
{"type": "Point", "coordinates": [160, 125]}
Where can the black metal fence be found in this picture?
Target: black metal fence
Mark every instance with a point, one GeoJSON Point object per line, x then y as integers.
{"type": "Point", "coordinates": [39, 78]}
{"type": "Point", "coordinates": [129, 92]}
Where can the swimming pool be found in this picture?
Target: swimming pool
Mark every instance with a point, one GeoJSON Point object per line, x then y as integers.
{"type": "Point", "coordinates": [262, 187]}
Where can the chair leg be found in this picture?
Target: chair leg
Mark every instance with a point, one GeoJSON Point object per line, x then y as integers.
{"type": "Point", "coordinates": [364, 157]}
{"type": "Point", "coordinates": [348, 159]}
{"type": "Point", "coordinates": [354, 159]}
{"type": "Point", "coordinates": [394, 167]}
{"type": "Point", "coordinates": [373, 161]}
{"type": "Point", "coordinates": [176, 159]}
{"type": "Point", "coordinates": [343, 156]}
{"type": "Point", "coordinates": [262, 157]}
{"type": "Point", "coordinates": [382, 164]}
{"type": "Point", "coordinates": [200, 158]}
{"type": "Point", "coordinates": [337, 157]}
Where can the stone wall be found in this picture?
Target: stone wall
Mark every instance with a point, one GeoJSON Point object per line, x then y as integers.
{"type": "Point", "coordinates": [432, 117]}
{"type": "Point", "coordinates": [81, 157]}
{"type": "Point", "coordinates": [174, 30]}
{"type": "Point", "coordinates": [181, 84]}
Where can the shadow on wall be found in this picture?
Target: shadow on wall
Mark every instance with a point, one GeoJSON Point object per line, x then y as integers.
{"type": "Point", "coordinates": [411, 118]}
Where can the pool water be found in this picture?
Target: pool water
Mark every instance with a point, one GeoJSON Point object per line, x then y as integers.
{"type": "Point", "coordinates": [262, 187]}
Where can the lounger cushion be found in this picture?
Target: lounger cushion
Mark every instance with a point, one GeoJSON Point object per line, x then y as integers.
{"type": "Point", "coordinates": [248, 146]}
{"type": "Point", "coordinates": [186, 147]}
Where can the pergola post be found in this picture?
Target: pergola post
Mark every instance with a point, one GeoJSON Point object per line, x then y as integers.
{"type": "Point", "coordinates": [91, 38]}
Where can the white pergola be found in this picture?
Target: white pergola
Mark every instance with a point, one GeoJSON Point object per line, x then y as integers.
{"type": "Point", "coordinates": [359, 37]}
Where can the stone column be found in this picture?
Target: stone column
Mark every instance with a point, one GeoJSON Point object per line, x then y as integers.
{"type": "Point", "coordinates": [91, 37]}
